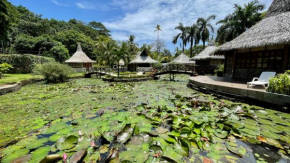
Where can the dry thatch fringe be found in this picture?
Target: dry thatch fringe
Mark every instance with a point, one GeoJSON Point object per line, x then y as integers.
{"type": "Point", "coordinates": [79, 57]}
{"type": "Point", "coordinates": [208, 53]}
{"type": "Point", "coordinates": [182, 59]}
{"type": "Point", "coordinates": [278, 7]}
{"type": "Point", "coordinates": [274, 30]}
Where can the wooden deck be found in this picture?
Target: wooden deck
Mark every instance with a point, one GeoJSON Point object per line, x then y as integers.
{"type": "Point", "coordinates": [237, 90]}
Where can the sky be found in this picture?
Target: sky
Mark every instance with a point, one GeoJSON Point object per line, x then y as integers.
{"type": "Point", "coordinates": [136, 17]}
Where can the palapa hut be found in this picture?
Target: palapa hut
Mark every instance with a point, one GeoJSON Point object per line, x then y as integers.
{"type": "Point", "coordinates": [182, 59]}
{"type": "Point", "coordinates": [142, 62]}
{"type": "Point", "coordinates": [207, 61]}
{"type": "Point", "coordinates": [80, 62]}
{"type": "Point", "coordinates": [264, 47]}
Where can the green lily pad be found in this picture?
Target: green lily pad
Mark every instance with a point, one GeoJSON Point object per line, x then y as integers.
{"type": "Point", "coordinates": [67, 143]}
{"type": "Point", "coordinates": [14, 155]}
{"type": "Point", "coordinates": [237, 150]}
{"type": "Point", "coordinates": [37, 143]}
{"type": "Point", "coordinates": [125, 135]}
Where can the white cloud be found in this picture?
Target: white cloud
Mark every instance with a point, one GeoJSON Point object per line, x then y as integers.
{"type": "Point", "coordinates": [59, 4]}
{"type": "Point", "coordinates": [141, 17]}
{"type": "Point", "coordinates": [93, 6]}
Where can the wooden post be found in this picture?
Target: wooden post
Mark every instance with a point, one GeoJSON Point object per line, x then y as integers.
{"type": "Point", "coordinates": [234, 61]}
{"type": "Point", "coordinates": [285, 58]}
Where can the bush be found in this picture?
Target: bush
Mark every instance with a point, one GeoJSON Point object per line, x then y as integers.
{"type": "Point", "coordinates": [53, 72]}
{"type": "Point", "coordinates": [280, 84]}
{"type": "Point", "coordinates": [4, 67]}
{"type": "Point", "coordinates": [23, 63]}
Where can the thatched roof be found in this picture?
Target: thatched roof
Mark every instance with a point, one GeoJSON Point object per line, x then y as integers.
{"type": "Point", "coordinates": [278, 7]}
{"type": "Point", "coordinates": [182, 59]}
{"type": "Point", "coordinates": [143, 57]}
{"type": "Point", "coordinates": [80, 57]}
{"type": "Point", "coordinates": [272, 30]}
{"type": "Point", "coordinates": [208, 53]}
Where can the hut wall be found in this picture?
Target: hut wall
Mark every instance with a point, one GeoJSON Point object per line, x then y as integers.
{"type": "Point", "coordinates": [252, 62]}
{"type": "Point", "coordinates": [229, 60]}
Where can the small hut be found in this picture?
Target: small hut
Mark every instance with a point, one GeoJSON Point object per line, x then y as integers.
{"type": "Point", "coordinates": [207, 61]}
{"type": "Point", "coordinates": [264, 47]}
{"type": "Point", "coordinates": [182, 59]}
{"type": "Point", "coordinates": [142, 62]}
{"type": "Point", "coordinates": [80, 62]}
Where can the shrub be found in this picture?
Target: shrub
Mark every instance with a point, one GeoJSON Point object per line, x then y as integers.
{"type": "Point", "coordinates": [4, 67]}
{"type": "Point", "coordinates": [280, 84]}
{"type": "Point", "coordinates": [53, 72]}
{"type": "Point", "coordinates": [23, 63]}
{"type": "Point", "coordinates": [220, 68]}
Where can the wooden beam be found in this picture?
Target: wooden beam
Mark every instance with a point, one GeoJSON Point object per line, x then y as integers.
{"type": "Point", "coordinates": [285, 58]}
{"type": "Point", "coordinates": [234, 63]}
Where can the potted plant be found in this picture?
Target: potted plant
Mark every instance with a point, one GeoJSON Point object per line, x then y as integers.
{"type": "Point", "coordinates": [220, 71]}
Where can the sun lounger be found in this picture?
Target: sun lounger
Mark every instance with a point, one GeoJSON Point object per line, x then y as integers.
{"type": "Point", "coordinates": [263, 80]}
{"type": "Point", "coordinates": [140, 73]}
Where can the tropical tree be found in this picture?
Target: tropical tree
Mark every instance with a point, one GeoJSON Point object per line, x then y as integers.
{"type": "Point", "coordinates": [108, 53]}
{"type": "Point", "coordinates": [191, 36]}
{"type": "Point", "coordinates": [182, 34]}
{"type": "Point", "coordinates": [205, 28]}
{"type": "Point", "coordinates": [239, 21]}
{"type": "Point", "coordinates": [174, 41]}
{"type": "Point", "coordinates": [157, 29]}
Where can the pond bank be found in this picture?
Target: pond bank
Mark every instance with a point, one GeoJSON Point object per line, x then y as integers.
{"type": "Point", "coordinates": [239, 92]}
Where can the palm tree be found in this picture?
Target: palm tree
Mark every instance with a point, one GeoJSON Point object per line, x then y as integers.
{"type": "Point", "coordinates": [158, 28]}
{"type": "Point", "coordinates": [131, 39]}
{"type": "Point", "coordinates": [174, 41]}
{"type": "Point", "coordinates": [205, 27]}
{"type": "Point", "coordinates": [191, 36]}
{"type": "Point", "coordinates": [109, 51]}
{"type": "Point", "coordinates": [182, 34]}
{"type": "Point", "coordinates": [238, 22]}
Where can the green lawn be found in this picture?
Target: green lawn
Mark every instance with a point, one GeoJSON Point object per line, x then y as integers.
{"type": "Point", "coordinates": [14, 78]}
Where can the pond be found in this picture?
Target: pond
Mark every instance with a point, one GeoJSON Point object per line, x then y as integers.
{"type": "Point", "coordinates": [152, 121]}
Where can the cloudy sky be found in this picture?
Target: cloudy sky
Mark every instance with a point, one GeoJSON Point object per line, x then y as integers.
{"type": "Point", "coordinates": [135, 17]}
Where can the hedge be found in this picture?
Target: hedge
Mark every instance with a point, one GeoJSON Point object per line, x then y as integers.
{"type": "Point", "coordinates": [280, 84]}
{"type": "Point", "coordinates": [23, 63]}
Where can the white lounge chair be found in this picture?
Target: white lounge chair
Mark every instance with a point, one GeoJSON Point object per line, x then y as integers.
{"type": "Point", "coordinates": [263, 80]}
{"type": "Point", "coordinates": [140, 73]}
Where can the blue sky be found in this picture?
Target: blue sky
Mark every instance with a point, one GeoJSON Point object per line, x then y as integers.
{"type": "Point", "coordinates": [137, 17]}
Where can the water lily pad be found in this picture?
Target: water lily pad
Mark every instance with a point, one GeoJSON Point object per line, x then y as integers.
{"type": "Point", "coordinates": [161, 130]}
{"type": "Point", "coordinates": [23, 159]}
{"type": "Point", "coordinates": [14, 155]}
{"type": "Point", "coordinates": [78, 156]}
{"type": "Point", "coordinates": [51, 158]}
{"type": "Point", "coordinates": [221, 134]}
{"type": "Point", "coordinates": [125, 135]}
{"type": "Point", "coordinates": [37, 143]}
{"type": "Point", "coordinates": [270, 134]}
{"type": "Point", "coordinates": [238, 150]}
{"type": "Point", "coordinates": [67, 143]}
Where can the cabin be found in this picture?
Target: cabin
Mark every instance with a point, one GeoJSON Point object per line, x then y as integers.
{"type": "Point", "coordinates": [264, 47]}
{"type": "Point", "coordinates": [207, 61]}
{"type": "Point", "coordinates": [142, 62]}
{"type": "Point", "coordinates": [80, 62]}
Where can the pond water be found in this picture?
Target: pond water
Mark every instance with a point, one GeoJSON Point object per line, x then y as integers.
{"type": "Point", "coordinates": [152, 121]}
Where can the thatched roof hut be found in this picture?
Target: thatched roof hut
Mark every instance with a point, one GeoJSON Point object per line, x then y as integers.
{"type": "Point", "coordinates": [264, 47]}
{"type": "Point", "coordinates": [143, 58]}
{"type": "Point", "coordinates": [182, 59]}
{"type": "Point", "coordinates": [278, 7]}
{"type": "Point", "coordinates": [79, 56]}
{"type": "Point", "coordinates": [274, 29]}
{"type": "Point", "coordinates": [208, 53]}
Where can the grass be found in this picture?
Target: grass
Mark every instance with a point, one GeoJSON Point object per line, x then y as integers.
{"type": "Point", "coordinates": [14, 78]}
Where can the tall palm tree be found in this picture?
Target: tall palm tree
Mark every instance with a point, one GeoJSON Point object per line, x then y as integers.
{"type": "Point", "coordinates": [205, 27]}
{"type": "Point", "coordinates": [182, 34]}
{"type": "Point", "coordinates": [191, 36]}
{"type": "Point", "coordinates": [131, 39]}
{"type": "Point", "coordinates": [157, 29]}
{"type": "Point", "coordinates": [174, 41]}
{"type": "Point", "coordinates": [238, 22]}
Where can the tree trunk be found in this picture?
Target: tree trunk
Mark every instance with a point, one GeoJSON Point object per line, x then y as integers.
{"type": "Point", "coordinates": [191, 44]}
{"type": "Point", "coordinates": [203, 44]}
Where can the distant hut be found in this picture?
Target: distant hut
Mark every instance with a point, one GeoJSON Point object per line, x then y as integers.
{"type": "Point", "coordinates": [264, 47]}
{"type": "Point", "coordinates": [80, 62]}
{"type": "Point", "coordinates": [182, 59]}
{"type": "Point", "coordinates": [142, 62]}
{"type": "Point", "coordinates": [207, 61]}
